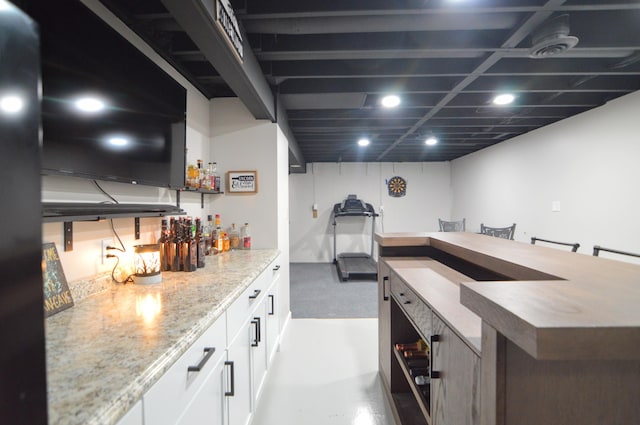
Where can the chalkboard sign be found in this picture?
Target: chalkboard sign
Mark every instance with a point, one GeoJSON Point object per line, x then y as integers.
{"type": "Point", "coordinates": [57, 296]}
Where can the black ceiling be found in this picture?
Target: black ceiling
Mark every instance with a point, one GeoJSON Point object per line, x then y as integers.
{"type": "Point", "coordinates": [327, 63]}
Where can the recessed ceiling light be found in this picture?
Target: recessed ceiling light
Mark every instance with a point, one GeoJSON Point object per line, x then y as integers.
{"type": "Point", "coordinates": [503, 99]}
{"type": "Point", "coordinates": [89, 104]}
{"type": "Point", "coordinates": [390, 101]}
{"type": "Point", "coordinates": [118, 141]}
{"type": "Point", "coordinates": [363, 142]}
{"type": "Point", "coordinates": [431, 141]}
{"type": "Point", "coordinates": [11, 104]}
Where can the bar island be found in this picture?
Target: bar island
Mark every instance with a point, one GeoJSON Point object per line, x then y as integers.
{"type": "Point", "coordinates": [517, 333]}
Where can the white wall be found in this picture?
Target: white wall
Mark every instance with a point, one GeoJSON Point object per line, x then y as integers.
{"type": "Point", "coordinates": [242, 143]}
{"type": "Point", "coordinates": [428, 198]}
{"type": "Point", "coordinates": [590, 163]}
{"type": "Point", "coordinates": [85, 259]}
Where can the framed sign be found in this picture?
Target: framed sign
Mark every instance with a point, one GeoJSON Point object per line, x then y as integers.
{"type": "Point", "coordinates": [57, 296]}
{"type": "Point", "coordinates": [242, 181]}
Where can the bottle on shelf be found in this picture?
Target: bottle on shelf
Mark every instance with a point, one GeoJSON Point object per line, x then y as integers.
{"type": "Point", "coordinates": [413, 346]}
{"type": "Point", "coordinates": [215, 178]}
{"type": "Point", "coordinates": [246, 237]}
{"type": "Point", "coordinates": [200, 244]}
{"type": "Point", "coordinates": [234, 237]}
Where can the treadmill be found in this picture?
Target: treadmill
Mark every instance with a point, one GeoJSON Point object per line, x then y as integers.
{"type": "Point", "coordinates": [356, 265]}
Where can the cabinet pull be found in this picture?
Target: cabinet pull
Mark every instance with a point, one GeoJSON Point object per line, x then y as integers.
{"type": "Point", "coordinates": [407, 302]}
{"type": "Point", "coordinates": [208, 352]}
{"type": "Point", "coordinates": [273, 308]}
{"type": "Point", "coordinates": [256, 292]}
{"type": "Point", "coordinates": [433, 373]}
{"type": "Point", "coordinates": [276, 268]}
{"type": "Point", "coordinates": [385, 281]}
{"type": "Point", "coordinates": [257, 339]}
{"type": "Point", "coordinates": [233, 379]}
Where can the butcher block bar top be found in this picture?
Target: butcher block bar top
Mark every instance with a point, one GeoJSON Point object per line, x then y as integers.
{"type": "Point", "coordinates": [554, 304]}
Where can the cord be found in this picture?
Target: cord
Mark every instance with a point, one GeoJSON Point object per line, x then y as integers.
{"type": "Point", "coordinates": [105, 192]}
{"type": "Point", "coordinates": [127, 279]}
{"type": "Point", "coordinates": [123, 249]}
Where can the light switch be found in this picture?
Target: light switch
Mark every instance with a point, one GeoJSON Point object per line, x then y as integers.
{"type": "Point", "coordinates": [555, 206]}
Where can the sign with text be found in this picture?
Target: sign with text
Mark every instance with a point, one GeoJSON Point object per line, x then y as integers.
{"type": "Point", "coordinates": [57, 296]}
{"type": "Point", "coordinates": [228, 24]}
{"type": "Point", "coordinates": [242, 181]}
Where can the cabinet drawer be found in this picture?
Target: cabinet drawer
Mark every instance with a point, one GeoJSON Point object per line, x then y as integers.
{"type": "Point", "coordinates": [250, 298]}
{"type": "Point", "coordinates": [415, 309]}
{"type": "Point", "coordinates": [165, 402]}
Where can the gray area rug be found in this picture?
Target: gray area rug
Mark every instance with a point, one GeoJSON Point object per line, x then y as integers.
{"type": "Point", "coordinates": [318, 293]}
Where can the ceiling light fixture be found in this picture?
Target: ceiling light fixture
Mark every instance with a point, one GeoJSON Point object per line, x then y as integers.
{"type": "Point", "coordinates": [503, 99]}
{"type": "Point", "coordinates": [89, 104]}
{"type": "Point", "coordinates": [363, 142]}
{"type": "Point", "coordinates": [390, 101]}
{"type": "Point", "coordinates": [11, 104]}
{"type": "Point", "coordinates": [431, 141]}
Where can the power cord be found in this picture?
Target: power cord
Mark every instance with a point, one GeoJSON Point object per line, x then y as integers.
{"type": "Point", "coordinates": [128, 278]}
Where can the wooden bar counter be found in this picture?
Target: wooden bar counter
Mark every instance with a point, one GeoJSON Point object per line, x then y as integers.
{"type": "Point", "coordinates": [560, 331]}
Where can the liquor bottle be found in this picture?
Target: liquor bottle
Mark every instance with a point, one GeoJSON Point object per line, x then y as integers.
{"type": "Point", "coordinates": [206, 235]}
{"type": "Point", "coordinates": [175, 246]}
{"type": "Point", "coordinates": [215, 178]}
{"type": "Point", "coordinates": [182, 243]}
{"type": "Point", "coordinates": [246, 237]}
{"type": "Point", "coordinates": [165, 247]}
{"type": "Point", "coordinates": [218, 242]}
{"type": "Point", "coordinates": [198, 176]}
{"type": "Point", "coordinates": [191, 250]}
{"type": "Point", "coordinates": [418, 345]}
{"type": "Point", "coordinates": [200, 244]}
{"type": "Point", "coordinates": [234, 237]}
{"type": "Point", "coordinates": [225, 242]}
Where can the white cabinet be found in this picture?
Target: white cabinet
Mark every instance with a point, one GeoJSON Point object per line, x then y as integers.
{"type": "Point", "coordinates": [218, 380]}
{"type": "Point", "coordinates": [133, 416]}
{"type": "Point", "coordinates": [239, 395]}
{"type": "Point", "coordinates": [170, 398]}
{"type": "Point", "coordinates": [273, 315]}
{"type": "Point", "coordinates": [209, 404]}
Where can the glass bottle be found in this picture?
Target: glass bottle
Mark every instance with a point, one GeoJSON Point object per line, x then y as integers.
{"type": "Point", "coordinates": [246, 237]}
{"type": "Point", "coordinates": [176, 245]}
{"type": "Point", "coordinates": [165, 247]}
{"type": "Point", "coordinates": [191, 254]}
{"type": "Point", "coordinates": [206, 234]}
{"type": "Point", "coordinates": [200, 244]}
{"type": "Point", "coordinates": [225, 242]}
{"type": "Point", "coordinates": [217, 241]}
{"type": "Point", "coordinates": [234, 238]}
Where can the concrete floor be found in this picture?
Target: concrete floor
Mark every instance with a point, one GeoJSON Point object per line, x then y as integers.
{"type": "Point", "coordinates": [326, 373]}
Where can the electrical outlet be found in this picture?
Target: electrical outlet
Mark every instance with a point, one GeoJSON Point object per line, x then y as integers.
{"type": "Point", "coordinates": [105, 251]}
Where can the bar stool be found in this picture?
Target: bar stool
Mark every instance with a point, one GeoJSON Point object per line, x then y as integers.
{"type": "Point", "coordinates": [452, 226]}
{"type": "Point", "coordinates": [499, 232]}
{"type": "Point", "coordinates": [574, 246]}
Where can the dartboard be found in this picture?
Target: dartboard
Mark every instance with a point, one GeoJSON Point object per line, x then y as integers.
{"type": "Point", "coordinates": [397, 186]}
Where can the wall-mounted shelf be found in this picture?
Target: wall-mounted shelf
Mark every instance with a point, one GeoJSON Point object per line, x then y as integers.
{"type": "Point", "coordinates": [202, 192]}
{"type": "Point", "coordinates": [68, 212]}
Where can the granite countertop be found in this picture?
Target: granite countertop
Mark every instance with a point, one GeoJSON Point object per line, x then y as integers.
{"type": "Point", "coordinates": [102, 355]}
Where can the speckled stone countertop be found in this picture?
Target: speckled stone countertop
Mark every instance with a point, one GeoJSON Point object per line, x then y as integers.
{"type": "Point", "coordinates": [102, 356]}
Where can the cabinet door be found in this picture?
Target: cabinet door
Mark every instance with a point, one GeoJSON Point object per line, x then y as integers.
{"type": "Point", "coordinates": [133, 416]}
{"type": "Point", "coordinates": [455, 394]}
{"type": "Point", "coordinates": [273, 320]}
{"type": "Point", "coordinates": [239, 376]}
{"type": "Point", "coordinates": [209, 404]}
{"type": "Point", "coordinates": [258, 343]}
{"type": "Point", "coordinates": [384, 322]}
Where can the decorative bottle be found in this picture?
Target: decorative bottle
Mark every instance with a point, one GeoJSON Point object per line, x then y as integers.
{"type": "Point", "coordinates": [200, 244]}
{"type": "Point", "coordinates": [165, 247]}
{"type": "Point", "coordinates": [246, 237]}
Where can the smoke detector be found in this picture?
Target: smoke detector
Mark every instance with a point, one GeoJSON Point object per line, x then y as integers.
{"type": "Point", "coordinates": [552, 38]}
